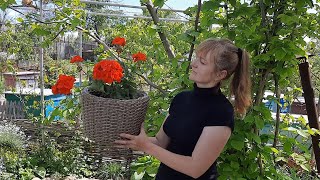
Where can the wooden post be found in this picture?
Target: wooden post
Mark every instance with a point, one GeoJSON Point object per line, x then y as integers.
{"type": "Point", "coordinates": [308, 94]}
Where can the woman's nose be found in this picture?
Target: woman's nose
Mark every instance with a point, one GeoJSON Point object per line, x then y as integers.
{"type": "Point", "coordinates": [193, 63]}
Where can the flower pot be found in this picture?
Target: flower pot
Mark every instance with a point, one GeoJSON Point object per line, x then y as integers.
{"type": "Point", "coordinates": [105, 118]}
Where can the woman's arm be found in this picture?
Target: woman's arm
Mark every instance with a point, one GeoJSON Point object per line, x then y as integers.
{"type": "Point", "coordinates": [207, 150]}
{"type": "Point", "coordinates": [161, 139]}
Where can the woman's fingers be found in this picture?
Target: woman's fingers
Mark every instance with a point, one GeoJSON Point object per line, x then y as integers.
{"type": "Point", "coordinates": [128, 136]}
{"type": "Point", "coordinates": [121, 142]}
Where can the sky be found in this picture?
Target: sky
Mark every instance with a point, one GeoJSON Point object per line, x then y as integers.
{"type": "Point", "coordinates": [169, 4]}
{"type": "Point", "coordinates": [173, 4]}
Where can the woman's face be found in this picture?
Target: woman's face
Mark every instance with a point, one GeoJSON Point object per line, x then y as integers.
{"type": "Point", "coordinates": [203, 71]}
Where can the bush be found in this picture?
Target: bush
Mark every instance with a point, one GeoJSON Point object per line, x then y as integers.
{"type": "Point", "coordinates": [111, 170]}
{"type": "Point", "coordinates": [12, 138]}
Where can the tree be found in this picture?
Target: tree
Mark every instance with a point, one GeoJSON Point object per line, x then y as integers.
{"type": "Point", "coordinates": [273, 32]}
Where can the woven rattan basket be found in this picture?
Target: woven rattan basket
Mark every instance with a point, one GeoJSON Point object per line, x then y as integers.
{"type": "Point", "coordinates": [105, 118]}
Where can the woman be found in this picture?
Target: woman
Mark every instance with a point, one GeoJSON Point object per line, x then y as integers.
{"type": "Point", "coordinates": [200, 121]}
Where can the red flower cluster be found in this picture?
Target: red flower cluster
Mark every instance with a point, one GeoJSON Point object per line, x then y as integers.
{"type": "Point", "coordinates": [108, 71]}
{"type": "Point", "coordinates": [139, 57]}
{"type": "Point", "coordinates": [76, 59]}
{"type": "Point", "coordinates": [119, 41]}
{"type": "Point", "coordinates": [105, 71]}
{"type": "Point", "coordinates": [64, 85]}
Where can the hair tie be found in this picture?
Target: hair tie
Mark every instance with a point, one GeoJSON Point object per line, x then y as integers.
{"type": "Point", "coordinates": [239, 52]}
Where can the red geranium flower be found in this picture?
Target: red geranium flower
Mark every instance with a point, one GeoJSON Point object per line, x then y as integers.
{"type": "Point", "coordinates": [139, 57]}
{"type": "Point", "coordinates": [64, 85]}
{"type": "Point", "coordinates": [108, 71]}
{"type": "Point", "coordinates": [119, 41]}
{"type": "Point", "coordinates": [76, 59]}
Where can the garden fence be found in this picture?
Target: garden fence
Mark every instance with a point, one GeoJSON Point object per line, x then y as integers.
{"type": "Point", "coordinates": [11, 110]}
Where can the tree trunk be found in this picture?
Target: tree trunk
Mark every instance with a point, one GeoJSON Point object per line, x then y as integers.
{"type": "Point", "coordinates": [277, 92]}
{"type": "Point", "coordinates": [162, 36]}
{"type": "Point", "coordinates": [308, 94]}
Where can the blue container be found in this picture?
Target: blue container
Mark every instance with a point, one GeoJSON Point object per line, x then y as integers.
{"type": "Point", "coordinates": [273, 106]}
{"type": "Point", "coordinates": [77, 84]}
{"type": "Point", "coordinates": [31, 96]}
{"type": "Point", "coordinates": [56, 102]}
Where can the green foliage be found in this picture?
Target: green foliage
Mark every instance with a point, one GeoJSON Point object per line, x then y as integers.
{"type": "Point", "coordinates": [18, 40]}
{"type": "Point", "coordinates": [272, 32]}
{"type": "Point", "coordinates": [144, 168]}
{"type": "Point", "coordinates": [1, 86]}
{"type": "Point", "coordinates": [158, 3]}
{"type": "Point", "coordinates": [240, 157]}
{"type": "Point", "coordinates": [112, 170]}
{"type": "Point", "coordinates": [53, 68]}
{"type": "Point", "coordinates": [4, 4]}
{"type": "Point", "coordinates": [12, 138]}
{"type": "Point", "coordinates": [50, 159]}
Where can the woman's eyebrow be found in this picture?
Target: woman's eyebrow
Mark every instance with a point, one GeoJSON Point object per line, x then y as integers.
{"type": "Point", "coordinates": [203, 59]}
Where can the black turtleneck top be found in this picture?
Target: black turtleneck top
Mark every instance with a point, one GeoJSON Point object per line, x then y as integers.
{"type": "Point", "coordinates": [190, 112]}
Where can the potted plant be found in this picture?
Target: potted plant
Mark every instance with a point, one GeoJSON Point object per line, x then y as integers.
{"type": "Point", "coordinates": [111, 103]}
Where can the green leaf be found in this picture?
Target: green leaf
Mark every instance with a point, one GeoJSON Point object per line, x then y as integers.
{"type": "Point", "coordinates": [55, 112]}
{"type": "Point", "coordinates": [302, 133]}
{"type": "Point", "coordinates": [280, 159]}
{"type": "Point", "coordinates": [151, 171]}
{"type": "Point", "coordinates": [304, 166]}
{"type": "Point", "coordinates": [140, 170]}
{"type": "Point", "coordinates": [256, 138]}
{"type": "Point", "coordinates": [158, 3]}
{"type": "Point", "coordinates": [237, 144]}
{"type": "Point", "coordinates": [59, 2]}
{"type": "Point", "coordinates": [4, 4]}
{"type": "Point", "coordinates": [227, 169]}
{"type": "Point", "coordinates": [290, 129]}
{"type": "Point", "coordinates": [287, 146]}
{"type": "Point", "coordinates": [40, 31]}
{"type": "Point", "coordinates": [311, 132]}
{"type": "Point", "coordinates": [280, 54]}
{"type": "Point", "coordinates": [288, 19]}
{"type": "Point", "coordinates": [249, 118]}
{"type": "Point", "coordinates": [210, 5]}
{"type": "Point", "coordinates": [138, 176]}
{"type": "Point", "coordinates": [41, 171]}
{"type": "Point", "coordinates": [234, 165]}
{"type": "Point", "coordinates": [186, 37]}
{"type": "Point", "coordinates": [275, 150]}
{"type": "Point", "coordinates": [20, 19]}
{"type": "Point", "coordinates": [259, 123]}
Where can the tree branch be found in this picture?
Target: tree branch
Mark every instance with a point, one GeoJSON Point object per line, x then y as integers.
{"type": "Point", "coordinates": [163, 37]}
{"type": "Point", "coordinates": [263, 18]}
{"type": "Point", "coordinates": [196, 25]}
{"type": "Point", "coordinates": [152, 84]}
{"type": "Point", "coordinates": [42, 22]}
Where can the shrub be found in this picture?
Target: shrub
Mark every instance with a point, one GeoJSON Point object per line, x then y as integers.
{"type": "Point", "coordinates": [12, 138]}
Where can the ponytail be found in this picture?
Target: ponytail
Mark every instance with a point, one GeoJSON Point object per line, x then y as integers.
{"type": "Point", "coordinates": [241, 83]}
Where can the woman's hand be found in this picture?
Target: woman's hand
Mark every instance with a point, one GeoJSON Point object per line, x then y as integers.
{"type": "Point", "coordinates": [138, 143]}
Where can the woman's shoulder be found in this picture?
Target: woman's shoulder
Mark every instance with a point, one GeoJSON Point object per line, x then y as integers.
{"type": "Point", "coordinates": [182, 95]}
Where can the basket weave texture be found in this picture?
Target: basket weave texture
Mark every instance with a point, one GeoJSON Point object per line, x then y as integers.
{"type": "Point", "coordinates": [105, 118]}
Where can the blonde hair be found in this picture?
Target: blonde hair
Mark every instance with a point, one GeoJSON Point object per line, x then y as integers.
{"type": "Point", "coordinates": [226, 57]}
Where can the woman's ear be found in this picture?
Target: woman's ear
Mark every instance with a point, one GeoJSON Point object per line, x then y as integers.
{"type": "Point", "coordinates": [222, 74]}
